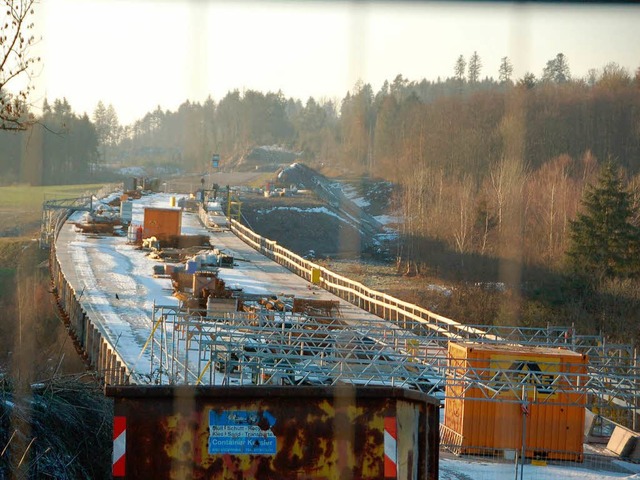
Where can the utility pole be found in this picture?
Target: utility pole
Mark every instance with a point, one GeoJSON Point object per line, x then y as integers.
{"type": "Point", "coordinates": [525, 412]}
{"type": "Point", "coordinates": [634, 421]}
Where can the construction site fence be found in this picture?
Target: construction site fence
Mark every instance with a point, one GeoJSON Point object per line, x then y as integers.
{"type": "Point", "coordinates": [489, 463]}
{"type": "Point", "coordinates": [442, 329]}
{"type": "Point", "coordinates": [97, 351]}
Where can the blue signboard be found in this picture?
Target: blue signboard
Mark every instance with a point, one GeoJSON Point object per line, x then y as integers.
{"type": "Point", "coordinates": [215, 160]}
{"type": "Point", "coordinates": [241, 432]}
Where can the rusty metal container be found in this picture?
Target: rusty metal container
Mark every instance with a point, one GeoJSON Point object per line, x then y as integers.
{"type": "Point", "coordinates": [274, 432]}
{"type": "Point", "coordinates": [162, 222]}
{"type": "Point", "coordinates": [478, 420]}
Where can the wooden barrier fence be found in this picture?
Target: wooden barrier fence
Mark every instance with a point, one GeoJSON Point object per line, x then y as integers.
{"type": "Point", "coordinates": [405, 314]}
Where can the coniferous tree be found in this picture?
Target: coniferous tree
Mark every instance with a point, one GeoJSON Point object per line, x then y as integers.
{"type": "Point", "coordinates": [604, 241]}
{"type": "Point", "coordinates": [528, 81]}
{"type": "Point", "coordinates": [557, 70]}
{"type": "Point", "coordinates": [506, 70]}
{"type": "Point", "coordinates": [475, 64]}
{"type": "Point", "coordinates": [460, 67]}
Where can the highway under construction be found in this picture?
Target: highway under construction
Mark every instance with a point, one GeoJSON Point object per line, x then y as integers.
{"type": "Point", "coordinates": [233, 308]}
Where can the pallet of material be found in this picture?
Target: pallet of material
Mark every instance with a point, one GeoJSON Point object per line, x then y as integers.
{"type": "Point", "coordinates": [183, 241]}
{"type": "Point", "coordinates": [94, 227]}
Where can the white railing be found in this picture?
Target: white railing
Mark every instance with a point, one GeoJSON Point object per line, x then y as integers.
{"type": "Point", "coordinates": [385, 306]}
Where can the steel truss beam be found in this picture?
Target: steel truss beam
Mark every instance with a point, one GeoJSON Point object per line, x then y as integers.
{"type": "Point", "coordinates": [296, 348]}
{"type": "Point", "coordinates": [55, 212]}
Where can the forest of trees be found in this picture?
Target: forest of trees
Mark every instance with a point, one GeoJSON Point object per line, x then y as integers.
{"type": "Point", "coordinates": [484, 169]}
{"type": "Point", "coordinates": [61, 147]}
{"type": "Point", "coordinates": [484, 166]}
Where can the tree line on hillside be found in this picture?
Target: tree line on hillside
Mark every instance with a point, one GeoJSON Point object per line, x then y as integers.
{"type": "Point", "coordinates": [477, 160]}
{"type": "Point", "coordinates": [490, 174]}
{"type": "Point", "coordinates": [459, 124]}
{"type": "Point", "coordinates": [61, 147]}
{"type": "Point", "coordinates": [487, 167]}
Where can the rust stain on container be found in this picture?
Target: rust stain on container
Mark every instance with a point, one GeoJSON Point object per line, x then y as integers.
{"type": "Point", "coordinates": [162, 222]}
{"type": "Point", "coordinates": [555, 411]}
{"type": "Point", "coordinates": [269, 432]}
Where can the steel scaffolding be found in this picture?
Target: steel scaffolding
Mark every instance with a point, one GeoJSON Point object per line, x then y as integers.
{"type": "Point", "coordinates": [55, 212]}
{"type": "Point", "coordinates": [294, 348]}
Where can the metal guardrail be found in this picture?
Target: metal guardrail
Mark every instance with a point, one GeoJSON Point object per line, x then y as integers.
{"type": "Point", "coordinates": [612, 373]}
{"type": "Point", "coordinates": [405, 314]}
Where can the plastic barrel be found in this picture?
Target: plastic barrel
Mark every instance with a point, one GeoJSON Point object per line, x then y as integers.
{"type": "Point", "coordinates": [192, 266]}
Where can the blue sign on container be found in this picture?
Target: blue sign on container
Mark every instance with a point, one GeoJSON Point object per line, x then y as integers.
{"type": "Point", "coordinates": [241, 432]}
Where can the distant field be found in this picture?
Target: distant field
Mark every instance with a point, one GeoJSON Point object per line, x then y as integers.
{"type": "Point", "coordinates": [25, 197]}
{"type": "Point", "coordinates": [21, 205]}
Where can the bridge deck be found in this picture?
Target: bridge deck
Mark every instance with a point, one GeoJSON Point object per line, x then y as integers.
{"type": "Point", "coordinates": [117, 289]}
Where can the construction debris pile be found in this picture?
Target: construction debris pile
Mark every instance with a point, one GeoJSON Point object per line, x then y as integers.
{"type": "Point", "coordinates": [195, 279]}
{"type": "Point", "coordinates": [102, 220]}
{"type": "Point", "coordinates": [195, 290]}
{"type": "Point", "coordinates": [109, 216]}
{"type": "Point", "coordinates": [288, 303]}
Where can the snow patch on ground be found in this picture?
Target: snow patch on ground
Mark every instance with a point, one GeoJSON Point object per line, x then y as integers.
{"type": "Point", "coordinates": [324, 210]}
{"type": "Point", "coordinates": [389, 219]}
{"type": "Point", "coordinates": [237, 279]}
{"type": "Point", "coordinates": [440, 289]}
{"type": "Point", "coordinates": [458, 469]}
{"type": "Point", "coordinates": [352, 194]}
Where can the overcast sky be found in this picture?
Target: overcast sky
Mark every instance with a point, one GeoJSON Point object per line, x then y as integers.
{"type": "Point", "coordinates": [140, 54]}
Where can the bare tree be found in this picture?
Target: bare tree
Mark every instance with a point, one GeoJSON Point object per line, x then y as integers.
{"type": "Point", "coordinates": [552, 188]}
{"type": "Point", "coordinates": [463, 231]}
{"type": "Point", "coordinates": [16, 62]}
{"type": "Point", "coordinates": [614, 76]}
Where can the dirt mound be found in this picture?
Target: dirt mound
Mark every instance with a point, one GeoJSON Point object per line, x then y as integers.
{"type": "Point", "coordinates": [325, 222]}
{"type": "Point", "coordinates": [304, 225]}
{"type": "Point", "coordinates": [266, 157]}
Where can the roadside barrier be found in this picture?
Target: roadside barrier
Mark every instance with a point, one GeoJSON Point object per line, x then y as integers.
{"type": "Point", "coordinates": [94, 348]}
{"type": "Point", "coordinates": [404, 314]}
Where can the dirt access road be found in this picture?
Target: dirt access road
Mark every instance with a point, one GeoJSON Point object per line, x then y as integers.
{"type": "Point", "coordinates": [318, 221]}
{"type": "Point", "coordinates": [322, 222]}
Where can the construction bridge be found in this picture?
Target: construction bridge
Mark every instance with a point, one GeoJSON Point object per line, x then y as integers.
{"type": "Point", "coordinates": [131, 329]}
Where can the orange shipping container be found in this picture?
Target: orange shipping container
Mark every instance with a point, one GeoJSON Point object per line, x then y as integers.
{"type": "Point", "coordinates": [159, 222]}
{"type": "Point", "coordinates": [483, 406]}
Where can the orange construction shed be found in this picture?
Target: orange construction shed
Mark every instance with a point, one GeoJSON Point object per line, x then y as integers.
{"type": "Point", "coordinates": [484, 407]}
{"type": "Point", "coordinates": [159, 222]}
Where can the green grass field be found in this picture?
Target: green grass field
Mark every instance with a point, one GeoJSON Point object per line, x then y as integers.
{"type": "Point", "coordinates": [21, 205]}
{"type": "Point", "coordinates": [25, 197]}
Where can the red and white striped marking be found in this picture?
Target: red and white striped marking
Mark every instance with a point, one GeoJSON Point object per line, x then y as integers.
{"type": "Point", "coordinates": [119, 445]}
{"type": "Point", "coordinates": [390, 447]}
